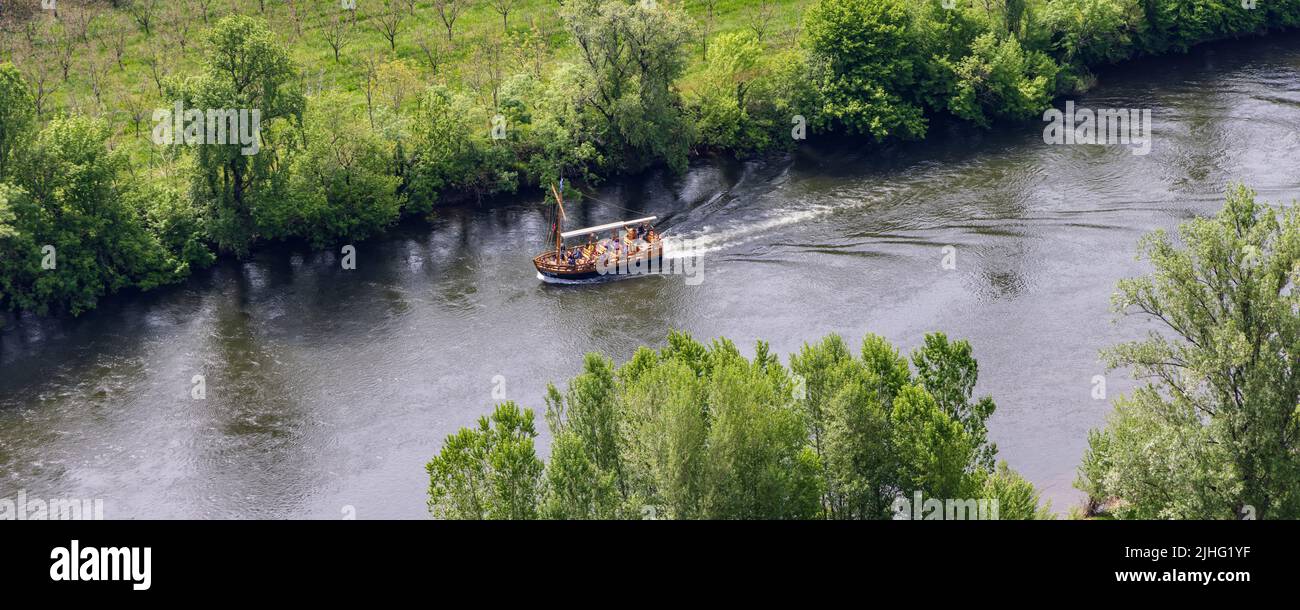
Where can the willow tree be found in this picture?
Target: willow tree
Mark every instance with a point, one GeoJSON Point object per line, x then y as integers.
{"type": "Point", "coordinates": [1214, 432]}
{"type": "Point", "coordinates": [631, 54]}
{"type": "Point", "coordinates": [244, 69]}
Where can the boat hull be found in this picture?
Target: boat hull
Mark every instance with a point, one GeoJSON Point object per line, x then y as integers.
{"type": "Point", "coordinates": [548, 267]}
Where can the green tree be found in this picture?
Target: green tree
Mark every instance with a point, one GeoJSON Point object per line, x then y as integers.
{"type": "Point", "coordinates": [701, 432]}
{"type": "Point", "coordinates": [868, 60]}
{"type": "Point", "coordinates": [590, 411]}
{"type": "Point", "coordinates": [17, 115]}
{"type": "Point", "coordinates": [585, 479]}
{"type": "Point", "coordinates": [1013, 16]}
{"type": "Point", "coordinates": [73, 196]}
{"type": "Point", "coordinates": [729, 102]}
{"type": "Point", "coordinates": [665, 439]}
{"type": "Point", "coordinates": [451, 151]}
{"type": "Point", "coordinates": [758, 462]}
{"type": "Point", "coordinates": [19, 253]}
{"type": "Point", "coordinates": [883, 431]}
{"type": "Point", "coordinates": [860, 461]}
{"type": "Point", "coordinates": [551, 137]}
{"type": "Point", "coordinates": [999, 79]}
{"type": "Point", "coordinates": [821, 369]}
{"type": "Point", "coordinates": [175, 219]}
{"type": "Point", "coordinates": [1194, 21]}
{"type": "Point", "coordinates": [948, 371]}
{"type": "Point", "coordinates": [341, 183]}
{"type": "Point", "coordinates": [575, 487]}
{"type": "Point", "coordinates": [244, 68]}
{"type": "Point", "coordinates": [932, 449]}
{"type": "Point", "coordinates": [488, 472]}
{"type": "Point", "coordinates": [888, 365]}
{"type": "Point", "coordinates": [1017, 499]}
{"type": "Point", "coordinates": [630, 54]}
{"type": "Point", "coordinates": [7, 215]}
{"type": "Point", "coordinates": [1214, 432]}
{"type": "Point", "coordinates": [1093, 32]}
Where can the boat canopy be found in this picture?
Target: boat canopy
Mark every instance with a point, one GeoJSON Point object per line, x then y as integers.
{"type": "Point", "coordinates": [605, 227]}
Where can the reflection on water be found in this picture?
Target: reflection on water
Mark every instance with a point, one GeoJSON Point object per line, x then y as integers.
{"type": "Point", "coordinates": [328, 387]}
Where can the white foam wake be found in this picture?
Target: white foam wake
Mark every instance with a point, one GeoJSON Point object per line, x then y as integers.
{"type": "Point", "coordinates": [706, 240]}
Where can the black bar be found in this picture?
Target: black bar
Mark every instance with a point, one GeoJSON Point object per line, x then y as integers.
{"type": "Point", "coordinates": [433, 559]}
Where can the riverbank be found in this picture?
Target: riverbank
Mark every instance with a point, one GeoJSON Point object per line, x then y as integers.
{"type": "Point", "coordinates": [154, 213]}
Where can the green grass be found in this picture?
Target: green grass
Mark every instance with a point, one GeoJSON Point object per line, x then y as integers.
{"type": "Point", "coordinates": [478, 28]}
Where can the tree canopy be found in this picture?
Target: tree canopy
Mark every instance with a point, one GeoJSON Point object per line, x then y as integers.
{"type": "Point", "coordinates": [695, 431]}
{"type": "Point", "coordinates": [1214, 431]}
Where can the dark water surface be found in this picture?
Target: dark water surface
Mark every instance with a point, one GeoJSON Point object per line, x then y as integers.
{"type": "Point", "coordinates": [329, 388]}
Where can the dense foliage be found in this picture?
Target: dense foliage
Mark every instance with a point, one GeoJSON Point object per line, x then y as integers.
{"type": "Point", "coordinates": [1214, 433]}
{"type": "Point", "coordinates": [73, 222]}
{"type": "Point", "coordinates": [700, 432]}
{"type": "Point", "coordinates": [593, 89]}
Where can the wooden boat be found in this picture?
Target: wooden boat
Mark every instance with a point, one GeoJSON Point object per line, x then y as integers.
{"type": "Point", "coordinates": [554, 264]}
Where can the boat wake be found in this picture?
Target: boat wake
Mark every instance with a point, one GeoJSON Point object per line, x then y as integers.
{"type": "Point", "coordinates": [705, 240]}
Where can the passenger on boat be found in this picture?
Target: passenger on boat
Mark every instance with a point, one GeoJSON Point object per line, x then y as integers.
{"type": "Point", "coordinates": [631, 243]}
{"type": "Point", "coordinates": [616, 245]}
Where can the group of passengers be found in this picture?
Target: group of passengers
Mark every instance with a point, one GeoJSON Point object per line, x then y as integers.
{"type": "Point", "coordinates": [612, 248]}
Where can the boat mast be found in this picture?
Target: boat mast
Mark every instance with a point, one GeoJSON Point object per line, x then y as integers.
{"type": "Point", "coordinates": [559, 220]}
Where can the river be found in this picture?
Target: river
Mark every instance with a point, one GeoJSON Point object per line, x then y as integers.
{"type": "Point", "coordinates": [327, 389]}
